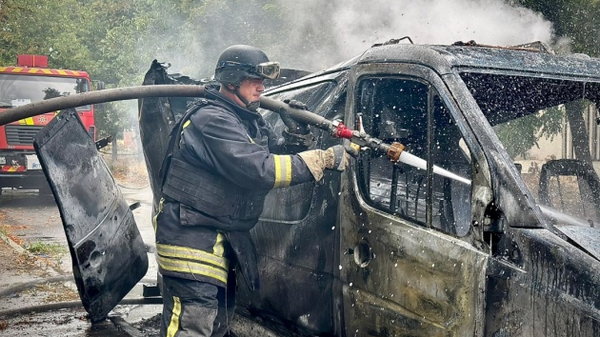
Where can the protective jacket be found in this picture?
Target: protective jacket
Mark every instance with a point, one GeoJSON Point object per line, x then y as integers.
{"type": "Point", "coordinates": [213, 190]}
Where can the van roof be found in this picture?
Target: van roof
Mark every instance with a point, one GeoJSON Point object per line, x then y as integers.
{"type": "Point", "coordinates": [445, 59]}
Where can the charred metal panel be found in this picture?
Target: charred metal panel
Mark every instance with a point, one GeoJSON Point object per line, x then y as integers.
{"type": "Point", "coordinates": [443, 58]}
{"type": "Point", "coordinates": [296, 265]}
{"type": "Point", "coordinates": [107, 251]}
{"type": "Point", "coordinates": [521, 61]}
{"type": "Point", "coordinates": [542, 286]}
{"type": "Point", "coordinates": [401, 278]}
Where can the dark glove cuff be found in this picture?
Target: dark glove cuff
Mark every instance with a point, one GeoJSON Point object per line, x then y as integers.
{"type": "Point", "coordinates": [307, 140]}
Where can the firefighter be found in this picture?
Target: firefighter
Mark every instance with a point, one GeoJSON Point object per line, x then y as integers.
{"type": "Point", "coordinates": [218, 172]}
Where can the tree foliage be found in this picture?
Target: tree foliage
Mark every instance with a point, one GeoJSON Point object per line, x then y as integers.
{"type": "Point", "coordinates": [530, 129]}
{"type": "Point", "coordinates": [572, 19]}
{"type": "Point", "coordinates": [116, 41]}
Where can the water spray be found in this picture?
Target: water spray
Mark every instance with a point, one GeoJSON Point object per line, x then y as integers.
{"type": "Point", "coordinates": [394, 151]}
{"type": "Point", "coordinates": [412, 160]}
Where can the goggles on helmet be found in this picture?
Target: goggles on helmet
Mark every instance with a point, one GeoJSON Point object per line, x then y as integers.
{"type": "Point", "coordinates": [268, 70]}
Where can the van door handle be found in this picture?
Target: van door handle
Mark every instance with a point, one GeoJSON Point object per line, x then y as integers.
{"type": "Point", "coordinates": [362, 253]}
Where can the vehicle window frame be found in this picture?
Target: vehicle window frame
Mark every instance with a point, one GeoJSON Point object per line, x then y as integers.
{"type": "Point", "coordinates": [435, 84]}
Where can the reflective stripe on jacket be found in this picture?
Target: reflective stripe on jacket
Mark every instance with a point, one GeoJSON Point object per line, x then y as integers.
{"type": "Point", "coordinates": [190, 252]}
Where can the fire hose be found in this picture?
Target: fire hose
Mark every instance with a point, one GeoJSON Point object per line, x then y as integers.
{"type": "Point", "coordinates": [395, 151]}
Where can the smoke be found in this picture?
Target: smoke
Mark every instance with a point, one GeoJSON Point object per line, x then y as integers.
{"type": "Point", "coordinates": [354, 26]}
{"type": "Point", "coordinates": [315, 34]}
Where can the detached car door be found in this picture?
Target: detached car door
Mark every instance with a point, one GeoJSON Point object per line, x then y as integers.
{"type": "Point", "coordinates": [107, 252]}
{"type": "Point", "coordinates": [409, 262]}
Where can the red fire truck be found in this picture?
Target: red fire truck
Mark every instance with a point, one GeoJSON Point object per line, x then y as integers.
{"type": "Point", "coordinates": [30, 81]}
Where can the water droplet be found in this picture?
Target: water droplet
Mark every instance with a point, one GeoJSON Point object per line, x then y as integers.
{"type": "Point", "coordinates": [340, 267]}
{"type": "Point", "coordinates": [332, 227]}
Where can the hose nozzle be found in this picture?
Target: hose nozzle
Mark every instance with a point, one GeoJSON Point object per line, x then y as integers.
{"type": "Point", "coordinates": [394, 151]}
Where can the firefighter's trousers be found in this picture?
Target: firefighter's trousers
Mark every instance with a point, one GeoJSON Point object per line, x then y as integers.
{"type": "Point", "coordinates": [195, 308]}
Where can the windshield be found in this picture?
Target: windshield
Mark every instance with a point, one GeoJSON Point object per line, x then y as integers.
{"type": "Point", "coordinates": [549, 127]}
{"type": "Point", "coordinates": [16, 90]}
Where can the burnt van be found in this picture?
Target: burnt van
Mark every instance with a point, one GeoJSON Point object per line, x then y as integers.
{"type": "Point", "coordinates": [395, 249]}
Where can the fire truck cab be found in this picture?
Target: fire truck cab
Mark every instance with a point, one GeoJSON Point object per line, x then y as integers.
{"type": "Point", "coordinates": [31, 81]}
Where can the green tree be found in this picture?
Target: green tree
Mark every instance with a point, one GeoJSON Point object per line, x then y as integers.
{"type": "Point", "coordinates": [115, 41]}
{"type": "Point", "coordinates": [90, 35]}
{"type": "Point", "coordinates": [573, 19]}
{"type": "Point", "coordinates": [531, 128]}
{"type": "Point", "coordinates": [48, 28]}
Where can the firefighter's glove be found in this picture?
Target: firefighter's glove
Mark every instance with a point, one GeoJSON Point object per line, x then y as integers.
{"type": "Point", "coordinates": [294, 127]}
{"type": "Point", "coordinates": [333, 158]}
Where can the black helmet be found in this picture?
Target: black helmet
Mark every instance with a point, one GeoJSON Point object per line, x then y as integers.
{"type": "Point", "coordinates": [240, 62]}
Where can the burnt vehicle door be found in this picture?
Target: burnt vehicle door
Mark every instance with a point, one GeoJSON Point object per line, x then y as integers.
{"type": "Point", "coordinates": [297, 237]}
{"type": "Point", "coordinates": [107, 252]}
{"type": "Point", "coordinates": [411, 263]}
